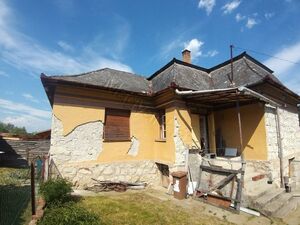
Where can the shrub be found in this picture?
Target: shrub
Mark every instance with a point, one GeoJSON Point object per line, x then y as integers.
{"type": "Point", "coordinates": [68, 214]}
{"type": "Point", "coordinates": [56, 191]}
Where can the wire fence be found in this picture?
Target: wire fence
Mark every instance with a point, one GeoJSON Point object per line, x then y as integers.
{"type": "Point", "coordinates": [18, 186]}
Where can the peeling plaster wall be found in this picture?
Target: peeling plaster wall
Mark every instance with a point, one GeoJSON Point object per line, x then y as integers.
{"type": "Point", "coordinates": [134, 147]}
{"type": "Point", "coordinates": [180, 147]}
{"type": "Point", "coordinates": [84, 143]}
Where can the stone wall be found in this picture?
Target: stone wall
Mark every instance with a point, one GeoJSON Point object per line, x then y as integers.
{"type": "Point", "coordinates": [82, 174]}
{"type": "Point", "coordinates": [74, 156]}
{"type": "Point", "coordinates": [295, 174]}
{"type": "Point", "coordinates": [18, 152]}
{"type": "Point", "coordinates": [290, 136]}
{"type": "Point", "coordinates": [180, 148]}
{"type": "Point", "coordinates": [84, 143]}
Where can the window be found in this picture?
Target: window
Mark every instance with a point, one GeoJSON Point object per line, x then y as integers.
{"type": "Point", "coordinates": [162, 125]}
{"type": "Point", "coordinates": [116, 125]}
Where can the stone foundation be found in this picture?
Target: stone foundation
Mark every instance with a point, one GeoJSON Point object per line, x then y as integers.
{"type": "Point", "coordinates": [131, 171]}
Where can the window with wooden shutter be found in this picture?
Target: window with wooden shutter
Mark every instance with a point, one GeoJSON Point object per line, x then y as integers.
{"type": "Point", "coordinates": [116, 126]}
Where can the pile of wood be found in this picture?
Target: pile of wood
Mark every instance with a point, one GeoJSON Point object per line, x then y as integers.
{"type": "Point", "coordinates": [119, 186]}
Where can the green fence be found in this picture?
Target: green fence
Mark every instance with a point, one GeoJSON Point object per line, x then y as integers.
{"type": "Point", "coordinates": [15, 193]}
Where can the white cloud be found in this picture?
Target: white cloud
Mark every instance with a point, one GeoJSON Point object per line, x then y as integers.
{"type": "Point", "coordinates": [239, 17]}
{"type": "Point", "coordinates": [20, 114]}
{"type": "Point", "coordinates": [21, 51]}
{"type": "Point", "coordinates": [208, 5]}
{"type": "Point", "coordinates": [269, 15]}
{"type": "Point", "coordinates": [251, 22]}
{"type": "Point", "coordinates": [3, 74]}
{"type": "Point", "coordinates": [24, 109]}
{"type": "Point", "coordinates": [290, 53]}
{"type": "Point", "coordinates": [230, 6]}
{"type": "Point", "coordinates": [29, 122]}
{"type": "Point", "coordinates": [194, 46]}
{"type": "Point", "coordinates": [212, 53]}
{"type": "Point", "coordinates": [30, 97]}
{"type": "Point", "coordinates": [167, 49]}
{"type": "Point", "coordinates": [65, 46]}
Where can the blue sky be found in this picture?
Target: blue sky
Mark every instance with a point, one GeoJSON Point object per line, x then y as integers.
{"type": "Point", "coordinates": [73, 36]}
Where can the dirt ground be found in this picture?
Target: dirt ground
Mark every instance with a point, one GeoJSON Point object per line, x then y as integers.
{"type": "Point", "coordinates": [200, 211]}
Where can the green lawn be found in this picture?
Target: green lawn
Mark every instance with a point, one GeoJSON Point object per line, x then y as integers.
{"type": "Point", "coordinates": [141, 209]}
{"type": "Point", "coordinates": [14, 196]}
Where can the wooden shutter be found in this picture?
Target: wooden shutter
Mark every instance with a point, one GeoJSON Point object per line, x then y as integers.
{"type": "Point", "coordinates": [116, 125]}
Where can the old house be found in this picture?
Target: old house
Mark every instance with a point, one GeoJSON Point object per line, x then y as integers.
{"type": "Point", "coordinates": [115, 125]}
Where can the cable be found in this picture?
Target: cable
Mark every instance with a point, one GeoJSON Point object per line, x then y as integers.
{"type": "Point", "coordinates": [261, 53]}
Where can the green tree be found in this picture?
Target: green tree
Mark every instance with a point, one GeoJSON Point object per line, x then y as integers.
{"type": "Point", "coordinates": [10, 128]}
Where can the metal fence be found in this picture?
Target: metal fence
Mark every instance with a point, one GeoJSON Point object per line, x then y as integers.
{"type": "Point", "coordinates": [19, 188]}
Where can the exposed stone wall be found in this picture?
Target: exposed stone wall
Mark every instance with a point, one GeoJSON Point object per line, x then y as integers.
{"type": "Point", "coordinates": [84, 143]}
{"type": "Point", "coordinates": [271, 132]}
{"type": "Point", "coordinates": [134, 147]}
{"type": "Point", "coordinates": [180, 148]}
{"type": "Point", "coordinates": [290, 136]}
{"type": "Point", "coordinates": [290, 132]}
{"type": "Point", "coordinates": [295, 179]}
{"type": "Point", "coordinates": [81, 174]}
{"type": "Point", "coordinates": [75, 155]}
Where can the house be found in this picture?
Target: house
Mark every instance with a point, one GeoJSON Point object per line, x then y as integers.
{"type": "Point", "coordinates": [114, 125]}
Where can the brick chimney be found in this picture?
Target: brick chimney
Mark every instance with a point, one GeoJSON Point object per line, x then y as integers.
{"type": "Point", "coordinates": [186, 56]}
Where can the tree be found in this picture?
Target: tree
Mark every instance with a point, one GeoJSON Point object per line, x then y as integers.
{"type": "Point", "coordinates": [12, 129]}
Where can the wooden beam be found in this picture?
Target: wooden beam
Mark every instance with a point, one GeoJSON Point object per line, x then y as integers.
{"type": "Point", "coordinates": [219, 170]}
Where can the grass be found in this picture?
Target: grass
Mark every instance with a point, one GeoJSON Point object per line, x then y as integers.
{"type": "Point", "coordinates": [14, 196]}
{"type": "Point", "coordinates": [141, 209]}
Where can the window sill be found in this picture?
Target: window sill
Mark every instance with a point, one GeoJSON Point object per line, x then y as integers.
{"type": "Point", "coordinates": [160, 140]}
{"type": "Point", "coordinates": [121, 140]}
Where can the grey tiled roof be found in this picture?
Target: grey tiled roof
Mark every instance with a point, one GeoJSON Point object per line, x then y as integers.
{"type": "Point", "coordinates": [246, 71]}
{"type": "Point", "coordinates": [110, 78]}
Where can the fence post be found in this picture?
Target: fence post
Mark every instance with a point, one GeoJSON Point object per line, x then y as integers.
{"type": "Point", "coordinates": [46, 168]}
{"type": "Point", "coordinates": [32, 189]}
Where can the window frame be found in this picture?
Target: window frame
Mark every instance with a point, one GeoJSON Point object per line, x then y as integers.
{"type": "Point", "coordinates": [162, 125]}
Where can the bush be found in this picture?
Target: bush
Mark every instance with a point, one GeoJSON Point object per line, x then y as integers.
{"type": "Point", "coordinates": [56, 191]}
{"type": "Point", "coordinates": [68, 214]}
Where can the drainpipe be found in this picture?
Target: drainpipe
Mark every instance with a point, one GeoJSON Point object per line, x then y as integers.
{"type": "Point", "coordinates": [279, 142]}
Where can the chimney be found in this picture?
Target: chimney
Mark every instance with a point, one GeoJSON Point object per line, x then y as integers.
{"type": "Point", "coordinates": [186, 56]}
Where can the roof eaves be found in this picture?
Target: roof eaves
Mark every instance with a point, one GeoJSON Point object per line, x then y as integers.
{"type": "Point", "coordinates": [49, 79]}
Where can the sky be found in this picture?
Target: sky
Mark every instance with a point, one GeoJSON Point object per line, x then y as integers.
{"type": "Point", "coordinates": [59, 37]}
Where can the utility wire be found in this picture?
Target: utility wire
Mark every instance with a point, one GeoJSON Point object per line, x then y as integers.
{"type": "Point", "coordinates": [261, 53]}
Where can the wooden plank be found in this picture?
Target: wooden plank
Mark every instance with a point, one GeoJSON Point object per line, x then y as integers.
{"type": "Point", "coordinates": [219, 170]}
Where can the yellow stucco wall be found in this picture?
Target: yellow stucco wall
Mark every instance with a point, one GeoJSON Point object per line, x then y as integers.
{"type": "Point", "coordinates": [196, 135]}
{"type": "Point", "coordinates": [253, 128]}
{"type": "Point", "coordinates": [185, 125]}
{"type": "Point", "coordinates": [73, 116]}
{"type": "Point", "coordinates": [143, 126]}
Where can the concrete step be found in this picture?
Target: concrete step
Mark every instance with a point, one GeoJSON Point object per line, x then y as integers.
{"type": "Point", "coordinates": [270, 195]}
{"type": "Point", "coordinates": [288, 208]}
{"type": "Point", "coordinates": [257, 188]}
{"type": "Point", "coordinates": [274, 206]}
